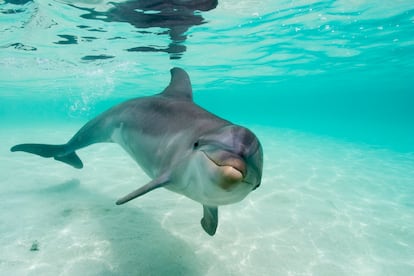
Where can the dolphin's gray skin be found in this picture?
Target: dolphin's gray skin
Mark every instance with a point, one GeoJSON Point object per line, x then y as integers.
{"type": "Point", "coordinates": [181, 146]}
{"type": "Point", "coordinates": [175, 17]}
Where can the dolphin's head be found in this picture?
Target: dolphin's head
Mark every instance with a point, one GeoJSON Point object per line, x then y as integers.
{"type": "Point", "coordinates": [232, 161]}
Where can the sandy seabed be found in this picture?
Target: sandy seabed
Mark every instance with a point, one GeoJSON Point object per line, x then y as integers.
{"type": "Point", "coordinates": [325, 207]}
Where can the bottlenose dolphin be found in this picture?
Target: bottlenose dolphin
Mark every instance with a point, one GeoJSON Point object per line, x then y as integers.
{"type": "Point", "coordinates": [180, 145]}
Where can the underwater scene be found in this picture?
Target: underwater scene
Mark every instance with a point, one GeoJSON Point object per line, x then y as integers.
{"type": "Point", "coordinates": [304, 111]}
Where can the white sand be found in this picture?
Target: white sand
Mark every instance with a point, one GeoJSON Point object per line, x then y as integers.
{"type": "Point", "coordinates": [325, 207]}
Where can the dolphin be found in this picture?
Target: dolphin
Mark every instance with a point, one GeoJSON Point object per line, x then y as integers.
{"type": "Point", "coordinates": [178, 144]}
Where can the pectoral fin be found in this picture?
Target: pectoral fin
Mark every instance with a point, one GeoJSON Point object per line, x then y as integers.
{"type": "Point", "coordinates": [154, 184]}
{"type": "Point", "coordinates": [209, 221]}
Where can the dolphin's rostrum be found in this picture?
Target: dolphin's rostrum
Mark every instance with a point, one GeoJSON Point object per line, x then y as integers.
{"type": "Point", "coordinates": [181, 146]}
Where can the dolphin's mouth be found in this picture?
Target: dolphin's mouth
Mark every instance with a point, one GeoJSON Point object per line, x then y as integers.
{"type": "Point", "coordinates": [232, 166]}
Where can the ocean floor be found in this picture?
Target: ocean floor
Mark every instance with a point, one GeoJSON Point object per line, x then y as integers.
{"type": "Point", "coordinates": [325, 207]}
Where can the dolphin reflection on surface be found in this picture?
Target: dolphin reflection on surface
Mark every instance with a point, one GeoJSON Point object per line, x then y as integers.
{"type": "Point", "coordinates": [174, 17]}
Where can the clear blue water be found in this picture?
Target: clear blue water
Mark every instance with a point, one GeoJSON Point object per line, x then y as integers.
{"type": "Point", "coordinates": [327, 86]}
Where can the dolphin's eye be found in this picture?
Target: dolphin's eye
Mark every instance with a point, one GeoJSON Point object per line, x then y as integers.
{"type": "Point", "coordinates": [196, 144]}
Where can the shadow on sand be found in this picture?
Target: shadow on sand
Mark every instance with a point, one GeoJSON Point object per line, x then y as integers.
{"type": "Point", "coordinates": [79, 231]}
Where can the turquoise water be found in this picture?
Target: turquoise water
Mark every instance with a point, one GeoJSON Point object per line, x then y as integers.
{"type": "Point", "coordinates": [327, 87]}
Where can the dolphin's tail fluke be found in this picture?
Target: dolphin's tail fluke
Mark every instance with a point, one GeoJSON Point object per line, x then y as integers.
{"type": "Point", "coordinates": [58, 152]}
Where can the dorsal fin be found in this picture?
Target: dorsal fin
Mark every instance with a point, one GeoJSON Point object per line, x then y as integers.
{"type": "Point", "coordinates": [180, 85]}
